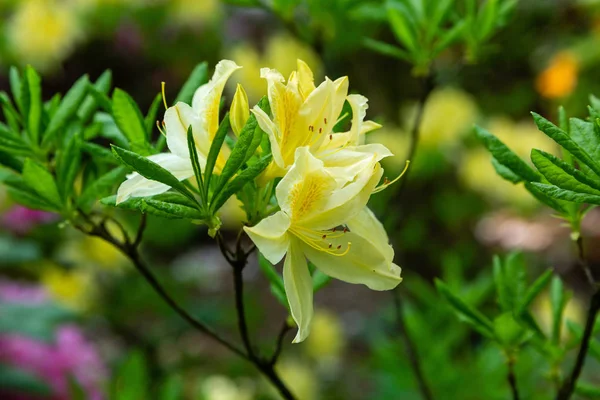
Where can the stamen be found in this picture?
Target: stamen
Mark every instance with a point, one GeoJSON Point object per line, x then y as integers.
{"type": "Point", "coordinates": [339, 247]}
{"type": "Point", "coordinates": [159, 128]}
{"type": "Point", "coordinates": [330, 245]}
{"type": "Point", "coordinates": [320, 130]}
{"type": "Point", "coordinates": [330, 137]}
{"type": "Point", "coordinates": [387, 182]}
{"type": "Point", "coordinates": [311, 128]}
{"type": "Point", "coordinates": [325, 120]}
{"type": "Point", "coordinates": [162, 89]}
{"type": "Point", "coordinates": [341, 118]}
{"type": "Point", "coordinates": [324, 237]}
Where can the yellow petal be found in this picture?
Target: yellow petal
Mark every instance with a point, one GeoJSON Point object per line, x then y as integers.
{"type": "Point", "coordinates": [240, 110]}
{"type": "Point", "coordinates": [299, 289]}
{"type": "Point", "coordinates": [306, 80]}
{"type": "Point", "coordinates": [178, 119]}
{"type": "Point", "coordinates": [270, 236]}
{"type": "Point", "coordinates": [207, 98]}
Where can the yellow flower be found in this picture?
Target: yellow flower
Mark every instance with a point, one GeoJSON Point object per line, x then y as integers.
{"type": "Point", "coordinates": [477, 172]}
{"type": "Point", "coordinates": [192, 12]}
{"type": "Point", "coordinates": [327, 340]}
{"type": "Point", "coordinates": [203, 117]}
{"type": "Point", "coordinates": [304, 115]}
{"type": "Point", "coordinates": [313, 207]}
{"type": "Point", "coordinates": [43, 32]}
{"type": "Point", "coordinates": [218, 387]}
{"type": "Point", "coordinates": [240, 110]}
{"type": "Point", "coordinates": [559, 79]}
{"type": "Point", "coordinates": [448, 113]}
{"type": "Point", "coordinates": [72, 288]}
{"type": "Point", "coordinates": [301, 379]}
{"type": "Point", "coordinates": [397, 141]}
{"type": "Point", "coordinates": [280, 53]}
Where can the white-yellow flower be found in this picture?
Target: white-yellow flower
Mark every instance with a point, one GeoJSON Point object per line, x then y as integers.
{"type": "Point", "coordinates": [326, 221]}
{"type": "Point", "coordinates": [304, 115]}
{"type": "Point", "coordinates": [203, 117]}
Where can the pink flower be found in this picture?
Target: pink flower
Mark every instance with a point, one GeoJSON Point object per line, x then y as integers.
{"type": "Point", "coordinates": [16, 292]}
{"type": "Point", "coordinates": [21, 220]}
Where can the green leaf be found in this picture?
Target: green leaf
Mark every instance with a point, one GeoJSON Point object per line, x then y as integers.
{"type": "Point", "coordinates": [399, 21]}
{"type": "Point", "coordinates": [561, 137]}
{"type": "Point", "coordinates": [101, 187]}
{"type": "Point", "coordinates": [10, 113]}
{"type": "Point", "coordinates": [545, 199]}
{"type": "Point", "coordinates": [320, 280]}
{"type": "Point", "coordinates": [505, 172]}
{"type": "Point", "coordinates": [14, 78]}
{"type": "Point", "coordinates": [577, 331]}
{"type": "Point", "coordinates": [507, 330]}
{"type": "Point", "coordinates": [247, 175]}
{"type": "Point", "coordinates": [274, 278]}
{"type": "Point", "coordinates": [67, 167]}
{"type": "Point", "coordinates": [90, 104]}
{"type": "Point", "coordinates": [11, 162]}
{"type": "Point", "coordinates": [42, 182]}
{"type": "Point", "coordinates": [172, 388]}
{"type": "Point", "coordinates": [587, 390]}
{"type": "Point", "coordinates": [175, 210]}
{"type": "Point", "coordinates": [196, 164]}
{"type": "Point", "coordinates": [386, 49]}
{"type": "Point", "coordinates": [98, 152]}
{"type": "Point", "coordinates": [558, 302]}
{"type": "Point", "coordinates": [238, 155]}
{"type": "Point", "coordinates": [76, 391]}
{"type": "Point", "coordinates": [21, 193]}
{"type": "Point", "coordinates": [20, 381]}
{"type": "Point", "coordinates": [198, 77]}
{"type": "Point", "coordinates": [258, 133]}
{"type": "Point", "coordinates": [449, 37]}
{"type": "Point", "coordinates": [534, 290]}
{"type": "Point", "coordinates": [584, 134]}
{"type": "Point", "coordinates": [33, 93]}
{"type": "Point", "coordinates": [150, 120]}
{"type": "Point", "coordinates": [563, 175]}
{"type": "Point", "coordinates": [465, 312]}
{"type": "Point", "coordinates": [215, 149]}
{"type": "Point", "coordinates": [132, 380]}
{"type": "Point", "coordinates": [166, 205]}
{"type": "Point", "coordinates": [567, 195]}
{"type": "Point", "coordinates": [150, 170]}
{"type": "Point", "coordinates": [506, 157]}
{"type": "Point", "coordinates": [67, 109]}
{"type": "Point", "coordinates": [130, 121]}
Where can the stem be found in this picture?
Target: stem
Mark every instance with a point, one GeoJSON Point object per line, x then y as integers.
{"type": "Point", "coordinates": [583, 263]}
{"type": "Point", "coordinates": [279, 346]}
{"type": "Point", "coordinates": [238, 284]}
{"type": "Point", "coordinates": [410, 348]}
{"type": "Point", "coordinates": [428, 85]}
{"type": "Point", "coordinates": [512, 379]}
{"type": "Point", "coordinates": [566, 391]}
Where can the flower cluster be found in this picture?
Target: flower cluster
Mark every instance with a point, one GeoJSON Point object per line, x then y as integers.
{"type": "Point", "coordinates": [323, 178]}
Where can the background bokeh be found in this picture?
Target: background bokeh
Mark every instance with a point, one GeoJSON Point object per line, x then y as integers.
{"type": "Point", "coordinates": [72, 308]}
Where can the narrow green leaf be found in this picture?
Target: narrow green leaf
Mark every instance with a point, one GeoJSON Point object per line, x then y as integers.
{"type": "Point", "coordinates": [505, 172]}
{"type": "Point", "coordinates": [558, 302]}
{"type": "Point", "coordinates": [21, 193]}
{"type": "Point", "coordinates": [196, 165]}
{"type": "Point", "coordinates": [150, 120]}
{"type": "Point", "coordinates": [101, 99]}
{"type": "Point", "coordinates": [386, 49]}
{"type": "Point", "coordinates": [503, 291]}
{"type": "Point", "coordinates": [98, 152]}
{"type": "Point", "coordinates": [270, 273]}
{"type": "Point", "coordinates": [67, 168]}
{"type": "Point", "coordinates": [165, 205]}
{"type": "Point", "coordinates": [10, 113]}
{"type": "Point", "coordinates": [561, 137]}
{"type": "Point", "coordinates": [215, 149]}
{"type": "Point", "coordinates": [534, 290]}
{"type": "Point", "coordinates": [150, 170]}
{"type": "Point", "coordinates": [506, 157]}
{"type": "Point", "coordinates": [587, 390]}
{"type": "Point", "coordinates": [132, 380]}
{"type": "Point", "coordinates": [577, 331]}
{"type": "Point", "coordinates": [449, 37]}
{"type": "Point", "coordinates": [320, 280]}
{"type": "Point", "coordinates": [175, 210]}
{"type": "Point", "coordinates": [130, 121]}
{"type": "Point", "coordinates": [14, 77]}
{"type": "Point", "coordinates": [67, 109]}
{"type": "Point", "coordinates": [11, 162]}
{"type": "Point", "coordinates": [172, 388]}
{"type": "Point", "coordinates": [34, 94]}
{"type": "Point", "coordinates": [258, 133]}
{"type": "Point", "coordinates": [562, 174]}
{"type": "Point", "coordinates": [41, 181]}
{"type": "Point", "coordinates": [198, 77]}
{"type": "Point", "coordinates": [545, 199]}
{"type": "Point", "coordinates": [90, 104]}
{"type": "Point", "coordinates": [568, 195]}
{"type": "Point", "coordinates": [465, 312]}
{"type": "Point", "coordinates": [400, 26]}
{"type": "Point", "coordinates": [247, 175]}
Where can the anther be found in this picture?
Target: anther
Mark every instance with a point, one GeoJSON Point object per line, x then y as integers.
{"type": "Point", "coordinates": [330, 245]}
{"type": "Point", "coordinates": [345, 229]}
{"type": "Point", "coordinates": [324, 237]}
{"type": "Point", "coordinates": [330, 137]}
{"type": "Point", "coordinates": [325, 120]}
{"type": "Point", "coordinates": [333, 230]}
{"type": "Point", "coordinates": [339, 247]}
{"type": "Point", "coordinates": [311, 128]}
{"type": "Point", "coordinates": [320, 130]}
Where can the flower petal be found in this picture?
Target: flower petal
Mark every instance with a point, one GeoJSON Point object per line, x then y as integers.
{"type": "Point", "coordinates": [207, 98]}
{"type": "Point", "coordinates": [299, 289]}
{"type": "Point", "coordinates": [345, 164]}
{"type": "Point", "coordinates": [366, 225]}
{"type": "Point", "coordinates": [364, 263]}
{"type": "Point", "coordinates": [138, 186]}
{"type": "Point", "coordinates": [306, 80]}
{"type": "Point", "coordinates": [270, 236]}
{"type": "Point", "coordinates": [270, 128]}
{"type": "Point", "coordinates": [178, 119]}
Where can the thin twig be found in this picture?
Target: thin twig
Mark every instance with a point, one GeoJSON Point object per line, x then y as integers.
{"type": "Point", "coordinates": [140, 231]}
{"type": "Point", "coordinates": [285, 328]}
{"type": "Point", "coordinates": [583, 263]}
{"type": "Point", "coordinates": [238, 283]}
{"type": "Point", "coordinates": [566, 390]}
{"type": "Point", "coordinates": [410, 348]}
{"type": "Point", "coordinates": [512, 378]}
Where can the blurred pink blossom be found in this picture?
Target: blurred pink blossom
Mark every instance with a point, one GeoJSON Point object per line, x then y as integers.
{"type": "Point", "coordinates": [16, 292]}
{"type": "Point", "coordinates": [21, 219]}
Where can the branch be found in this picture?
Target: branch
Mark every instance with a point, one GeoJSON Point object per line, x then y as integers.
{"type": "Point", "coordinates": [583, 263]}
{"type": "Point", "coordinates": [285, 328]}
{"type": "Point", "coordinates": [410, 348]}
{"type": "Point", "coordinates": [566, 391]}
{"type": "Point", "coordinates": [512, 379]}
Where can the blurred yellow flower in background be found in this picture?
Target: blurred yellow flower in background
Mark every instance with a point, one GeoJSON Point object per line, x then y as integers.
{"type": "Point", "coordinates": [396, 140]}
{"type": "Point", "coordinates": [89, 251]}
{"type": "Point", "coordinates": [327, 340]}
{"type": "Point", "coordinates": [476, 170]}
{"type": "Point", "coordinates": [43, 32]}
{"type": "Point", "coordinates": [218, 387]}
{"type": "Point", "coordinates": [559, 79]}
{"type": "Point", "coordinates": [574, 311]}
{"type": "Point", "coordinates": [281, 53]}
{"type": "Point", "coordinates": [448, 114]}
{"type": "Point", "coordinates": [72, 288]}
{"type": "Point", "coordinates": [299, 378]}
{"type": "Point", "coordinates": [193, 12]}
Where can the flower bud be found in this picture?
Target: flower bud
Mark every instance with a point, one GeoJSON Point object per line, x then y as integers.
{"type": "Point", "coordinates": [240, 110]}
